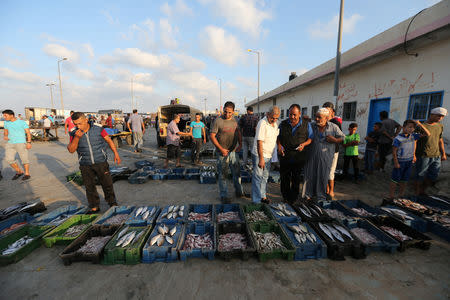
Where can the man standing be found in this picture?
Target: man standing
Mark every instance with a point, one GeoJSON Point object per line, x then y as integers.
{"type": "Point", "coordinates": [173, 141]}
{"type": "Point", "coordinates": [90, 144]}
{"type": "Point", "coordinates": [15, 131]}
{"type": "Point", "coordinates": [109, 121]}
{"type": "Point", "coordinates": [125, 122]}
{"type": "Point", "coordinates": [68, 124]}
{"type": "Point", "coordinates": [430, 151]}
{"type": "Point", "coordinates": [263, 148]}
{"type": "Point", "coordinates": [338, 122]}
{"type": "Point", "coordinates": [389, 130]}
{"type": "Point", "coordinates": [136, 126]}
{"type": "Point", "coordinates": [248, 124]}
{"type": "Point", "coordinates": [295, 135]}
{"type": "Point", "coordinates": [225, 135]}
{"type": "Point", "coordinates": [199, 135]}
{"type": "Point", "coordinates": [47, 126]}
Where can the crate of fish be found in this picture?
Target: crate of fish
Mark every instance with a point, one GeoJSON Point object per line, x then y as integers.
{"type": "Point", "coordinates": [59, 215]}
{"type": "Point", "coordinates": [125, 246]}
{"type": "Point", "coordinates": [20, 243]}
{"type": "Point", "coordinates": [340, 241]}
{"type": "Point", "coordinates": [31, 208]}
{"type": "Point", "coordinates": [311, 212]}
{"type": "Point", "coordinates": [283, 212]}
{"type": "Point", "coordinates": [115, 216]}
{"type": "Point", "coordinates": [373, 239]}
{"type": "Point", "coordinates": [360, 209]}
{"type": "Point", "coordinates": [208, 177]}
{"type": "Point", "coordinates": [68, 231]}
{"type": "Point", "coordinates": [143, 163]}
{"type": "Point", "coordinates": [409, 205]}
{"type": "Point", "coordinates": [172, 214]}
{"type": "Point", "coordinates": [198, 241]}
{"type": "Point", "coordinates": [246, 176]}
{"type": "Point", "coordinates": [229, 213]}
{"type": "Point", "coordinates": [258, 213]}
{"type": "Point", "coordinates": [439, 225]}
{"type": "Point", "coordinates": [139, 177]}
{"type": "Point", "coordinates": [435, 203]}
{"type": "Point", "coordinates": [406, 217]}
{"type": "Point", "coordinates": [233, 240]}
{"type": "Point", "coordinates": [176, 173]}
{"type": "Point", "coordinates": [404, 234]}
{"type": "Point", "coordinates": [271, 241]}
{"type": "Point", "coordinates": [336, 210]}
{"type": "Point", "coordinates": [201, 213]}
{"type": "Point", "coordinates": [143, 216]}
{"type": "Point", "coordinates": [163, 243]}
{"type": "Point", "coordinates": [307, 243]}
{"type": "Point", "coordinates": [89, 245]}
{"type": "Point", "coordinates": [192, 174]}
{"type": "Point", "coordinates": [160, 174]}
{"type": "Point", "coordinates": [15, 222]}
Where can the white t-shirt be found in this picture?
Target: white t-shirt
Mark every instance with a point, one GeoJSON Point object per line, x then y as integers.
{"type": "Point", "coordinates": [267, 133]}
{"type": "Point", "coordinates": [47, 123]}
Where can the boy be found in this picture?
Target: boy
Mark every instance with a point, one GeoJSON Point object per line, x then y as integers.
{"type": "Point", "coordinates": [351, 142]}
{"type": "Point", "coordinates": [371, 147]}
{"type": "Point", "coordinates": [198, 130]}
{"type": "Point", "coordinates": [403, 152]}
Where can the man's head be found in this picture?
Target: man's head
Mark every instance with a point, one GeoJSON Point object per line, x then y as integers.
{"type": "Point", "coordinates": [44, 117]}
{"type": "Point", "coordinates": [176, 118]}
{"type": "Point", "coordinates": [8, 114]}
{"type": "Point", "coordinates": [198, 116]}
{"type": "Point", "coordinates": [322, 116]}
{"type": "Point", "coordinates": [228, 110]}
{"type": "Point", "coordinates": [384, 115]}
{"type": "Point", "coordinates": [409, 126]}
{"type": "Point", "coordinates": [109, 114]}
{"type": "Point", "coordinates": [294, 114]}
{"type": "Point", "coordinates": [273, 115]}
{"type": "Point", "coordinates": [80, 121]}
{"type": "Point", "coordinates": [437, 114]}
{"type": "Point", "coordinates": [250, 110]}
{"type": "Point", "coordinates": [330, 107]}
{"type": "Point", "coordinates": [134, 111]}
{"type": "Point", "coordinates": [352, 128]}
{"type": "Point", "coordinates": [71, 112]}
{"type": "Point", "coordinates": [377, 126]}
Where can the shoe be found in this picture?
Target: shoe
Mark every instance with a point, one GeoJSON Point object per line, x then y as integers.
{"type": "Point", "coordinates": [265, 200]}
{"type": "Point", "coordinates": [17, 176]}
{"type": "Point", "coordinates": [26, 177]}
{"type": "Point", "coordinates": [94, 210]}
{"type": "Point", "coordinates": [225, 200]}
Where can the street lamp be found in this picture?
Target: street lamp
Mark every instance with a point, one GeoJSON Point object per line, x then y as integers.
{"type": "Point", "coordinates": [51, 92]}
{"type": "Point", "coordinates": [60, 86]}
{"type": "Point", "coordinates": [257, 52]}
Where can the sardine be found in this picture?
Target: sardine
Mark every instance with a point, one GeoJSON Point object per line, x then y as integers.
{"type": "Point", "coordinates": [122, 232]}
{"type": "Point", "coordinates": [136, 238]}
{"type": "Point", "coordinates": [155, 239]}
{"type": "Point", "coordinates": [343, 231]}
{"type": "Point", "coordinates": [173, 230]}
{"type": "Point", "coordinates": [311, 237]}
{"type": "Point", "coordinates": [129, 239]}
{"type": "Point", "coordinates": [123, 239]}
{"type": "Point", "coordinates": [318, 209]}
{"type": "Point", "coordinates": [166, 229]}
{"type": "Point", "coordinates": [153, 211]}
{"type": "Point", "coordinates": [145, 216]}
{"type": "Point", "coordinates": [176, 208]}
{"type": "Point", "coordinates": [138, 212]}
{"type": "Point", "coordinates": [326, 231]}
{"type": "Point", "coordinates": [170, 208]}
{"type": "Point", "coordinates": [169, 239]}
{"type": "Point", "coordinates": [160, 241]}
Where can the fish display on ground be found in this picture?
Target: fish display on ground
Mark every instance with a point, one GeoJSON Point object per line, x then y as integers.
{"type": "Point", "coordinates": [411, 205]}
{"type": "Point", "coordinates": [442, 220]}
{"type": "Point", "coordinates": [206, 217]}
{"type": "Point", "coordinates": [14, 247]}
{"type": "Point", "coordinates": [311, 211]}
{"type": "Point", "coordinates": [230, 216]}
{"type": "Point", "coordinates": [164, 237]}
{"type": "Point", "coordinates": [130, 238]}
{"type": "Point", "coordinates": [257, 216]}
{"type": "Point", "coordinates": [364, 236]}
{"type": "Point", "coordinates": [75, 230]}
{"type": "Point", "coordinates": [282, 210]}
{"type": "Point", "coordinates": [362, 212]}
{"type": "Point", "coordinates": [232, 241]}
{"type": "Point", "coordinates": [208, 174]}
{"type": "Point", "coordinates": [12, 227]}
{"type": "Point", "coordinates": [198, 241]}
{"type": "Point", "coordinates": [398, 213]}
{"type": "Point", "coordinates": [144, 213]}
{"type": "Point", "coordinates": [335, 232]}
{"type": "Point", "coordinates": [335, 214]}
{"type": "Point", "coordinates": [116, 219]}
{"type": "Point", "coordinates": [268, 241]}
{"type": "Point", "coordinates": [302, 234]}
{"type": "Point", "coordinates": [396, 233]}
{"type": "Point", "coordinates": [173, 212]}
{"type": "Point", "coordinates": [94, 245]}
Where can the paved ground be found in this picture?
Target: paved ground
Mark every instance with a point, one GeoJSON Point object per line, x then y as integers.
{"type": "Point", "coordinates": [414, 274]}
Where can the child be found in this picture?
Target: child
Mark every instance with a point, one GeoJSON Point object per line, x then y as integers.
{"type": "Point", "coordinates": [351, 142]}
{"type": "Point", "coordinates": [371, 147]}
{"type": "Point", "coordinates": [403, 152]}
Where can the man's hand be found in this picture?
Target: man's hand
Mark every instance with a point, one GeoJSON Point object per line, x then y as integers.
{"type": "Point", "coordinates": [261, 163]}
{"type": "Point", "coordinates": [396, 165]}
{"type": "Point", "coordinates": [28, 146]}
{"type": "Point", "coordinates": [281, 150]}
{"type": "Point", "coordinates": [224, 152]}
{"type": "Point", "coordinates": [117, 159]}
{"type": "Point", "coordinates": [444, 157]}
{"type": "Point", "coordinates": [414, 159]}
{"type": "Point", "coordinates": [300, 147]}
{"type": "Point", "coordinates": [79, 133]}
{"type": "Point", "coordinates": [204, 141]}
{"type": "Point", "coordinates": [331, 139]}
{"type": "Point", "coordinates": [65, 132]}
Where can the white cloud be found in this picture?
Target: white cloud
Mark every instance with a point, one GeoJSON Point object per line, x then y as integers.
{"type": "Point", "coordinates": [54, 40]}
{"type": "Point", "coordinates": [84, 74]}
{"type": "Point", "coordinates": [194, 81]}
{"type": "Point", "coordinates": [189, 63]}
{"type": "Point", "coordinates": [329, 29]}
{"type": "Point", "coordinates": [167, 34]}
{"type": "Point", "coordinates": [222, 46]}
{"type": "Point", "coordinates": [247, 81]}
{"type": "Point", "coordinates": [59, 51]}
{"type": "Point", "coordinates": [137, 58]}
{"type": "Point", "coordinates": [13, 57]}
{"type": "Point", "coordinates": [88, 49]}
{"type": "Point", "coordinates": [26, 77]}
{"type": "Point", "coordinates": [111, 20]}
{"type": "Point", "coordinates": [179, 8]}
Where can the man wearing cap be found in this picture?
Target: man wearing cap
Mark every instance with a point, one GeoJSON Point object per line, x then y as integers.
{"type": "Point", "coordinates": [430, 151]}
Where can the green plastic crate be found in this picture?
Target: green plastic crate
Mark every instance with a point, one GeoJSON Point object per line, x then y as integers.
{"type": "Point", "coordinates": [129, 255]}
{"type": "Point", "coordinates": [263, 256]}
{"type": "Point", "coordinates": [55, 236]}
{"type": "Point", "coordinates": [36, 232]}
{"type": "Point", "coordinates": [258, 206]}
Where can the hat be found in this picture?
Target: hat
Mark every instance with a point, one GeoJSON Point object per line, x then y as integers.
{"type": "Point", "coordinates": [439, 111]}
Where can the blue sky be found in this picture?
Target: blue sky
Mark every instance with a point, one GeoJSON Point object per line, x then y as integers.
{"type": "Point", "coordinates": [172, 48]}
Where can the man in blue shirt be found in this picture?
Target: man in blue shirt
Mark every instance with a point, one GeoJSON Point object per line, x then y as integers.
{"type": "Point", "coordinates": [17, 143]}
{"type": "Point", "coordinates": [199, 136]}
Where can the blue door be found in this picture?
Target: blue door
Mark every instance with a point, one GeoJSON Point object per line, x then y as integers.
{"type": "Point", "coordinates": [376, 106]}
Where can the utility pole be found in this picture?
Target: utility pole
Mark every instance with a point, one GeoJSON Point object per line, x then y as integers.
{"type": "Point", "coordinates": [338, 57]}
{"type": "Point", "coordinates": [50, 85]}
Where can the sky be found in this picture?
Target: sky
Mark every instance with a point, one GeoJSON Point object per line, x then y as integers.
{"type": "Point", "coordinates": [173, 49]}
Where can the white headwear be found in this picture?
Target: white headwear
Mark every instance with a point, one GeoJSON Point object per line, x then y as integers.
{"type": "Point", "coordinates": [439, 111]}
{"type": "Point", "coordinates": [323, 111]}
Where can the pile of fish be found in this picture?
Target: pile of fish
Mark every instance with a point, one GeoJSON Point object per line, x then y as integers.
{"type": "Point", "coordinates": [362, 212]}
{"type": "Point", "coordinates": [268, 241]}
{"type": "Point", "coordinates": [232, 241]}
{"type": "Point", "coordinates": [208, 169]}
{"type": "Point", "coordinates": [443, 220]}
{"type": "Point", "coordinates": [335, 214]}
{"type": "Point", "coordinates": [12, 227]}
{"type": "Point", "coordinates": [230, 216]}
{"type": "Point", "coordinates": [144, 213]}
{"type": "Point", "coordinates": [411, 205]}
{"type": "Point", "coordinates": [117, 170]}
{"type": "Point", "coordinates": [206, 217]}
{"type": "Point", "coordinates": [164, 235]}
{"type": "Point", "coordinates": [257, 216]}
{"type": "Point", "coordinates": [129, 238]}
{"type": "Point", "coordinates": [75, 230]}
{"type": "Point", "coordinates": [117, 219]}
{"type": "Point", "coordinates": [335, 232]}
{"type": "Point", "coordinates": [283, 210]}
{"type": "Point", "coordinates": [15, 209]}
{"type": "Point", "coordinates": [396, 233]}
{"type": "Point", "coordinates": [59, 220]}
{"type": "Point", "coordinates": [173, 212]}
{"type": "Point", "coordinates": [17, 245]}
{"type": "Point", "coordinates": [364, 236]}
{"type": "Point", "coordinates": [301, 233]}
{"type": "Point", "coordinates": [398, 213]}
{"type": "Point", "coordinates": [197, 241]}
{"type": "Point", "coordinates": [208, 174]}
{"type": "Point", "coordinates": [311, 211]}
{"type": "Point", "coordinates": [94, 245]}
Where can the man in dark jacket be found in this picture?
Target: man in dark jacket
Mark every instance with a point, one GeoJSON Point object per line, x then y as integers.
{"type": "Point", "coordinates": [247, 125]}
{"type": "Point", "coordinates": [90, 144]}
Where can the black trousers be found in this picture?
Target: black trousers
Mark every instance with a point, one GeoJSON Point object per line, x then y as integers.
{"type": "Point", "coordinates": [290, 176]}
{"type": "Point", "coordinates": [354, 160]}
{"type": "Point", "coordinates": [196, 146]}
{"type": "Point", "coordinates": [383, 151]}
{"type": "Point", "coordinates": [47, 132]}
{"type": "Point", "coordinates": [100, 171]}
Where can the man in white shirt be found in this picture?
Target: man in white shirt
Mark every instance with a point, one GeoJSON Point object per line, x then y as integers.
{"type": "Point", "coordinates": [47, 126]}
{"type": "Point", "coordinates": [263, 148]}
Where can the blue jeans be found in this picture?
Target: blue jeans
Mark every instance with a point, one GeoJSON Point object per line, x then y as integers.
{"type": "Point", "coordinates": [259, 179]}
{"type": "Point", "coordinates": [223, 163]}
{"type": "Point", "coordinates": [369, 159]}
{"type": "Point", "coordinates": [428, 167]}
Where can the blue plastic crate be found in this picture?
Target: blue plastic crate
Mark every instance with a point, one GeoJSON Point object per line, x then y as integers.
{"type": "Point", "coordinates": [246, 176]}
{"type": "Point", "coordinates": [138, 221]}
{"type": "Point", "coordinates": [439, 230]}
{"type": "Point", "coordinates": [201, 209]}
{"type": "Point", "coordinates": [23, 217]}
{"type": "Point", "coordinates": [286, 219]}
{"type": "Point", "coordinates": [207, 179]}
{"type": "Point", "coordinates": [349, 204]}
{"type": "Point", "coordinates": [115, 210]}
{"type": "Point", "coordinates": [176, 173]}
{"type": "Point", "coordinates": [307, 250]}
{"type": "Point", "coordinates": [198, 228]}
{"type": "Point", "coordinates": [177, 220]}
{"type": "Point", "coordinates": [165, 253]}
{"type": "Point", "coordinates": [143, 163]}
{"type": "Point", "coordinates": [417, 223]}
{"type": "Point", "coordinates": [223, 208]}
{"type": "Point", "coordinates": [386, 244]}
{"type": "Point", "coordinates": [68, 210]}
{"type": "Point", "coordinates": [192, 173]}
{"type": "Point", "coordinates": [139, 177]}
{"type": "Point", "coordinates": [148, 169]}
{"type": "Point", "coordinates": [160, 174]}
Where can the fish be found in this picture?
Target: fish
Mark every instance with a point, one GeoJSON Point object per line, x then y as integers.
{"type": "Point", "coordinates": [123, 239]}
{"type": "Point", "coordinates": [293, 228]}
{"type": "Point", "coordinates": [364, 236]}
{"type": "Point", "coordinates": [173, 230]}
{"type": "Point", "coordinates": [181, 207]}
{"type": "Point", "coordinates": [160, 241]}
{"type": "Point", "coordinates": [176, 208]}
{"type": "Point", "coordinates": [343, 231]}
{"type": "Point", "coordinates": [144, 210]}
{"type": "Point", "coordinates": [166, 229]}
{"type": "Point", "coordinates": [305, 212]}
{"type": "Point", "coordinates": [326, 231]}
{"type": "Point", "coordinates": [170, 209]}
{"type": "Point", "coordinates": [136, 238]}
{"type": "Point", "coordinates": [302, 228]}
{"type": "Point", "coordinates": [153, 211]}
{"type": "Point", "coordinates": [169, 239]}
{"type": "Point", "coordinates": [318, 209]}
{"type": "Point", "coordinates": [138, 212]}
{"type": "Point", "coordinates": [311, 237]}
{"type": "Point", "coordinates": [181, 213]}
{"type": "Point", "coordinates": [129, 239]}
{"type": "Point", "coordinates": [305, 208]}
{"type": "Point", "coordinates": [12, 248]}
{"type": "Point", "coordinates": [161, 230]}
{"type": "Point", "coordinates": [335, 233]}
{"type": "Point", "coordinates": [298, 237]}
{"type": "Point", "coordinates": [155, 239]}
{"type": "Point", "coordinates": [398, 213]}
{"type": "Point", "coordinates": [232, 241]}
{"type": "Point", "coordinates": [229, 216]}
{"type": "Point", "coordinates": [163, 215]}
{"type": "Point", "coordinates": [145, 215]}
{"type": "Point", "coordinates": [122, 232]}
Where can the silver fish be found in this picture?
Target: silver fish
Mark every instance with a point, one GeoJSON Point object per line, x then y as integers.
{"type": "Point", "coordinates": [136, 238]}
{"type": "Point", "coordinates": [123, 239]}
{"type": "Point", "coordinates": [297, 237]}
{"type": "Point", "coordinates": [311, 237]}
{"type": "Point", "coordinates": [343, 231]}
{"type": "Point", "coordinates": [182, 207]}
{"type": "Point", "coordinates": [318, 209]}
{"type": "Point", "coordinates": [122, 232]}
{"type": "Point", "coordinates": [170, 209]}
{"type": "Point", "coordinates": [169, 239]}
{"type": "Point", "coordinates": [306, 208]}
{"type": "Point", "coordinates": [145, 215]}
{"type": "Point", "coordinates": [180, 213]}
{"type": "Point", "coordinates": [163, 215]}
{"type": "Point", "coordinates": [160, 241]}
{"type": "Point", "coordinates": [173, 230]}
{"type": "Point", "coordinates": [166, 229]}
{"type": "Point", "coordinates": [129, 239]}
{"type": "Point", "coordinates": [326, 231]}
{"type": "Point", "coordinates": [335, 233]}
{"type": "Point", "coordinates": [176, 208]}
{"type": "Point", "coordinates": [153, 211]}
{"type": "Point", "coordinates": [161, 230]}
{"type": "Point", "coordinates": [155, 239]}
{"type": "Point", "coordinates": [305, 212]}
{"type": "Point", "coordinates": [302, 228]}
{"type": "Point", "coordinates": [138, 212]}
{"type": "Point", "coordinates": [293, 228]}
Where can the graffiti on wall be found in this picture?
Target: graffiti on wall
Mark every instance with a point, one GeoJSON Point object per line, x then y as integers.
{"type": "Point", "coordinates": [402, 87]}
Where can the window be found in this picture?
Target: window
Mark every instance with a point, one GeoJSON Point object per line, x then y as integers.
{"type": "Point", "coordinates": [349, 111]}
{"type": "Point", "coordinates": [304, 111]}
{"type": "Point", "coordinates": [420, 105]}
{"type": "Point", "coordinates": [282, 114]}
{"type": "Point", "coordinates": [314, 110]}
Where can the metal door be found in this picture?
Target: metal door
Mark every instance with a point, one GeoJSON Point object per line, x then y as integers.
{"type": "Point", "coordinates": [376, 106]}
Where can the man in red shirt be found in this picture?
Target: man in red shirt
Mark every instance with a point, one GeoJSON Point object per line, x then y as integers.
{"type": "Point", "coordinates": [68, 124]}
{"type": "Point", "coordinates": [109, 121]}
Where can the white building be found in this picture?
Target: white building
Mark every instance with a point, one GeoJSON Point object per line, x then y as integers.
{"type": "Point", "coordinates": [382, 73]}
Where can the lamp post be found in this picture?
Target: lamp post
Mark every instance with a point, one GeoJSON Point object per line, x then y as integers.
{"type": "Point", "coordinates": [60, 86]}
{"type": "Point", "coordinates": [258, 53]}
{"type": "Point", "coordinates": [338, 57]}
{"type": "Point", "coordinates": [50, 85]}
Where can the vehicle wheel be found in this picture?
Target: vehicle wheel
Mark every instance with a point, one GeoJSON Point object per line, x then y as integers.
{"type": "Point", "coordinates": [130, 139]}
